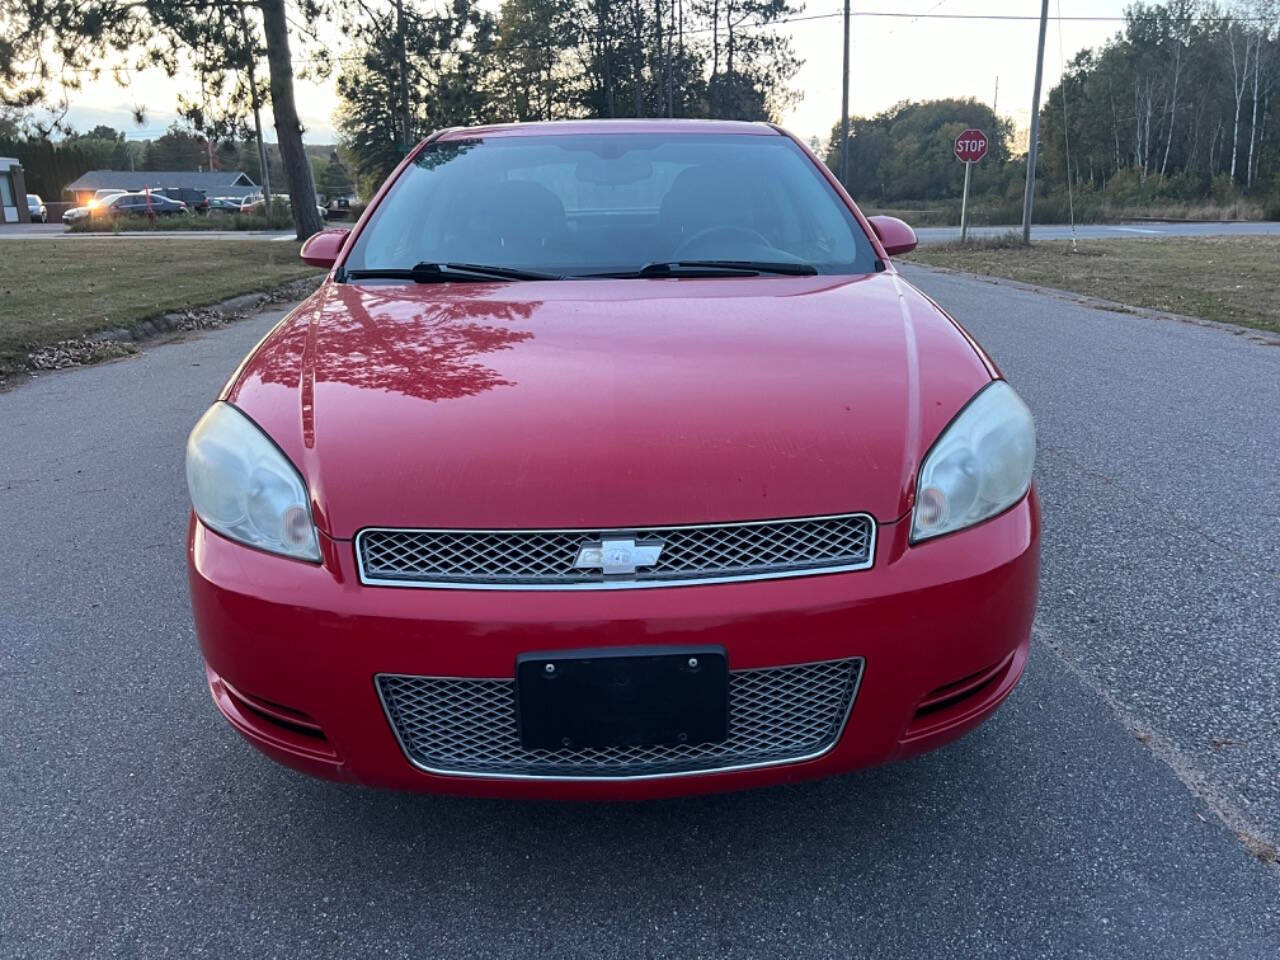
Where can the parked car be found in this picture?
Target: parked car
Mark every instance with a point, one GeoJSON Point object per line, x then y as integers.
{"type": "Point", "coordinates": [255, 204]}
{"type": "Point", "coordinates": [74, 215]}
{"type": "Point", "coordinates": [339, 208]}
{"type": "Point", "coordinates": [612, 460]}
{"type": "Point", "coordinates": [36, 208]}
{"type": "Point", "coordinates": [139, 205]}
{"type": "Point", "coordinates": [197, 201]}
{"type": "Point", "coordinates": [224, 205]}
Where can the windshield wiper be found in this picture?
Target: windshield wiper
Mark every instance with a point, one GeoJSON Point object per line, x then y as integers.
{"type": "Point", "coordinates": [714, 268]}
{"type": "Point", "coordinates": [447, 273]}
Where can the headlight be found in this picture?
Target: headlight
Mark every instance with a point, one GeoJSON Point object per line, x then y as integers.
{"type": "Point", "coordinates": [243, 487]}
{"type": "Point", "coordinates": [980, 465]}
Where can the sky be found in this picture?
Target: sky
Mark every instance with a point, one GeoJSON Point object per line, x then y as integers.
{"type": "Point", "coordinates": [928, 49]}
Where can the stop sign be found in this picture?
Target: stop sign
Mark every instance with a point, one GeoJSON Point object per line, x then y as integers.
{"type": "Point", "coordinates": [971, 146]}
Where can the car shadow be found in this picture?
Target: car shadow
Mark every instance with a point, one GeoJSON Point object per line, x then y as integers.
{"type": "Point", "coordinates": [827, 830]}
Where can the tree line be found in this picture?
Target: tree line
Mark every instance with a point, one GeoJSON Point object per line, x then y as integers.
{"type": "Point", "coordinates": [1179, 106]}
{"type": "Point", "coordinates": [51, 47]}
{"type": "Point", "coordinates": [1180, 99]}
{"type": "Point", "coordinates": [905, 153]}
{"type": "Point", "coordinates": [52, 164]}
{"type": "Point", "coordinates": [411, 65]}
{"type": "Point", "coordinates": [414, 67]}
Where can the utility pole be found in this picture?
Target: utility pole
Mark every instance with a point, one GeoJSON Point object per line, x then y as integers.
{"type": "Point", "coordinates": [1034, 145]}
{"type": "Point", "coordinates": [995, 98]}
{"type": "Point", "coordinates": [404, 77]}
{"type": "Point", "coordinates": [844, 104]}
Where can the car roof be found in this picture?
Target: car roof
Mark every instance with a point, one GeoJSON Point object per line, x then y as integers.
{"type": "Point", "coordinates": [568, 127]}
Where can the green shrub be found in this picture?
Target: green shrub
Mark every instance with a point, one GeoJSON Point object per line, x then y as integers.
{"type": "Point", "coordinates": [1271, 206]}
{"type": "Point", "coordinates": [192, 223]}
{"type": "Point", "coordinates": [1223, 188]}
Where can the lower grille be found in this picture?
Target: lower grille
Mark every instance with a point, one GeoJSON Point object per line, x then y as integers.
{"type": "Point", "coordinates": [468, 727]}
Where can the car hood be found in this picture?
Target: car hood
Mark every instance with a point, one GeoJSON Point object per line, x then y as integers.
{"type": "Point", "coordinates": [611, 403]}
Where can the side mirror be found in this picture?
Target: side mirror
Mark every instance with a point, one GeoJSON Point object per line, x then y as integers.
{"type": "Point", "coordinates": [322, 249]}
{"type": "Point", "coordinates": [895, 235]}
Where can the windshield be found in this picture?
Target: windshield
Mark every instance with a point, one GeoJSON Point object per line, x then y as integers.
{"type": "Point", "coordinates": [577, 205]}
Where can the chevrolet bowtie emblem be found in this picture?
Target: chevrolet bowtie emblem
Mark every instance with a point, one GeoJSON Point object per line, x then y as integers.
{"type": "Point", "coordinates": [618, 556]}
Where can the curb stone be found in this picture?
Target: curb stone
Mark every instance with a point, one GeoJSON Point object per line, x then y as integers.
{"type": "Point", "coordinates": [199, 318]}
{"type": "Point", "coordinates": [118, 335]}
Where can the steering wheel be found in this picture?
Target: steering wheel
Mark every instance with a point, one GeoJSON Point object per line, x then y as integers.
{"type": "Point", "coordinates": [742, 233]}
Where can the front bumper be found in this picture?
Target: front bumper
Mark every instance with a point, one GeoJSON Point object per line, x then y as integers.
{"type": "Point", "coordinates": [292, 649]}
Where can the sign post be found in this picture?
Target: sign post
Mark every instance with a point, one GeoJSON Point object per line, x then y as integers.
{"type": "Point", "coordinates": [971, 146]}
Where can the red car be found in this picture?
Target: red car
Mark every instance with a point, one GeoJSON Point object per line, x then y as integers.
{"type": "Point", "coordinates": [611, 460]}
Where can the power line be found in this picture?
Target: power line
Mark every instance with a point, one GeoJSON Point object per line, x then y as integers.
{"type": "Point", "coordinates": [918, 16]}
{"type": "Point", "coordinates": [888, 14]}
{"type": "Point", "coordinates": [931, 14]}
{"type": "Point", "coordinates": [1018, 16]}
{"type": "Point", "coordinates": [883, 14]}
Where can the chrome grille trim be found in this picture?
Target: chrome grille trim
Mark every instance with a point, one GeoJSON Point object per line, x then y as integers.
{"type": "Point", "coordinates": [466, 727]}
{"type": "Point", "coordinates": [693, 554]}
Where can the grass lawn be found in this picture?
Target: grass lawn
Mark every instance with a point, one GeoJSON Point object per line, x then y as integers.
{"type": "Point", "coordinates": [68, 287]}
{"type": "Point", "coordinates": [1230, 279]}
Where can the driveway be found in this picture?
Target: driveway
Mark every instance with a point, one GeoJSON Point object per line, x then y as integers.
{"type": "Point", "coordinates": [1107, 811]}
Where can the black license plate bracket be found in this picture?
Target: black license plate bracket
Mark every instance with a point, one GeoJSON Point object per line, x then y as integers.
{"type": "Point", "coordinates": [622, 697]}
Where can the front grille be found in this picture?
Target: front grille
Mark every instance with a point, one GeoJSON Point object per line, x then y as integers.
{"type": "Point", "coordinates": [545, 558]}
{"type": "Point", "coordinates": [468, 727]}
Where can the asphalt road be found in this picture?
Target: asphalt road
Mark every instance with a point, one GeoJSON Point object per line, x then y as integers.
{"type": "Point", "coordinates": [926, 234]}
{"type": "Point", "coordinates": [1145, 228]}
{"type": "Point", "coordinates": [137, 824]}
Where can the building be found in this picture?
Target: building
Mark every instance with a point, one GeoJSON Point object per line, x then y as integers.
{"type": "Point", "coordinates": [13, 192]}
{"type": "Point", "coordinates": [220, 183]}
